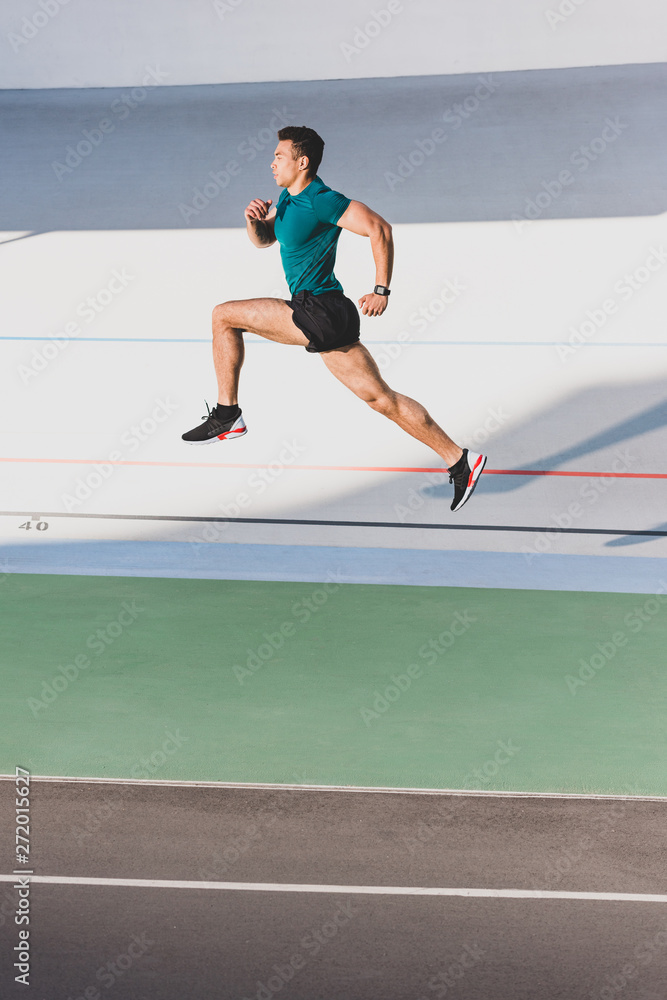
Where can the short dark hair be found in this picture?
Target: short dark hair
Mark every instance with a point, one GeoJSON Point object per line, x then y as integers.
{"type": "Point", "coordinates": [306, 142]}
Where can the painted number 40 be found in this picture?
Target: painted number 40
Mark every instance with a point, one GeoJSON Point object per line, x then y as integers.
{"type": "Point", "coordinates": [40, 525]}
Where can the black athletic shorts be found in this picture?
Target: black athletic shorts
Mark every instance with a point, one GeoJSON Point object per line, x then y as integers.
{"type": "Point", "coordinates": [329, 320]}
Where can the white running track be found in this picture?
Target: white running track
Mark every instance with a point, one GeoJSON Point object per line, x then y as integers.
{"type": "Point", "coordinates": [541, 343]}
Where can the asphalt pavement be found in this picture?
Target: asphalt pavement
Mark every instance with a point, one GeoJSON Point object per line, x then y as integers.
{"type": "Point", "coordinates": [146, 941]}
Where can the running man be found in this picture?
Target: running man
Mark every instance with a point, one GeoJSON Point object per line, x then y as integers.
{"type": "Point", "coordinates": [306, 221]}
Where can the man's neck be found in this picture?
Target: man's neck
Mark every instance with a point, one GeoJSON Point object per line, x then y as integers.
{"type": "Point", "coordinates": [300, 184]}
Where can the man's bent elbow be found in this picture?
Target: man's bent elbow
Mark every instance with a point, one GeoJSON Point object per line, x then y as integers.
{"type": "Point", "coordinates": [381, 230]}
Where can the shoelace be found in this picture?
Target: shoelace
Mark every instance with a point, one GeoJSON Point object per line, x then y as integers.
{"type": "Point", "coordinates": [209, 412]}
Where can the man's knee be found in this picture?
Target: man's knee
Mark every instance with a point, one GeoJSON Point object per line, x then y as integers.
{"type": "Point", "coordinates": [383, 402]}
{"type": "Point", "coordinates": [223, 315]}
{"type": "Point", "coordinates": [220, 313]}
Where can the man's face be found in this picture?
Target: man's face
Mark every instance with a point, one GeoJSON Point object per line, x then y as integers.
{"type": "Point", "coordinates": [285, 168]}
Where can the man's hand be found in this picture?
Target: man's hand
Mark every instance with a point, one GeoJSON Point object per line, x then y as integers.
{"type": "Point", "coordinates": [259, 224]}
{"type": "Point", "coordinates": [373, 305]}
{"type": "Point", "coordinates": [258, 209]}
{"type": "Point", "coordinates": [362, 220]}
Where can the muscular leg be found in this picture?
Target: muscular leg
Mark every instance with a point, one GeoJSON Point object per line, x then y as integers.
{"type": "Point", "coordinates": [355, 367]}
{"type": "Point", "coordinates": [270, 318]}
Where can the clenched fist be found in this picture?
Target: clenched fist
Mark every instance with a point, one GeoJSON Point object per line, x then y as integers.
{"type": "Point", "coordinates": [258, 209]}
{"type": "Point", "coordinates": [373, 305]}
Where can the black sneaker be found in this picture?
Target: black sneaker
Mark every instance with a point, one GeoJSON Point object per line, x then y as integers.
{"type": "Point", "coordinates": [466, 472]}
{"type": "Point", "coordinates": [214, 429]}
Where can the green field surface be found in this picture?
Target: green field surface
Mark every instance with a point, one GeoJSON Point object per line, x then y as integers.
{"type": "Point", "coordinates": [336, 684]}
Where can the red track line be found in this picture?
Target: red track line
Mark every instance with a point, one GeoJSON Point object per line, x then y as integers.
{"type": "Point", "coordinates": [336, 468]}
{"type": "Point", "coordinates": [594, 475]}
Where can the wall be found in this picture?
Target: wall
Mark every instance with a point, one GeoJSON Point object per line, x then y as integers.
{"type": "Point", "coordinates": [107, 43]}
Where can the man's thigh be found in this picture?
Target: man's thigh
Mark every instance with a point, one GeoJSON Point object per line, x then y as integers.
{"type": "Point", "coordinates": [355, 367]}
{"type": "Point", "coordinates": [270, 318]}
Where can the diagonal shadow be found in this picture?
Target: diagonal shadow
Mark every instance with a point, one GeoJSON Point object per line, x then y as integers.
{"type": "Point", "coordinates": [617, 543]}
{"type": "Point", "coordinates": [576, 410]}
{"type": "Point", "coordinates": [24, 236]}
{"type": "Point", "coordinates": [648, 420]}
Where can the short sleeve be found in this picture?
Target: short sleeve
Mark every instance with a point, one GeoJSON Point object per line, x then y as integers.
{"type": "Point", "coordinates": [330, 205]}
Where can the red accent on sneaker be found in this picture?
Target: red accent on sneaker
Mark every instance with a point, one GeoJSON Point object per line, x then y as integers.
{"type": "Point", "coordinates": [470, 479]}
{"type": "Point", "coordinates": [237, 430]}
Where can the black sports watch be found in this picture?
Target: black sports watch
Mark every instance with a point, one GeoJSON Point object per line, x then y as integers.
{"type": "Point", "coordinates": [381, 290]}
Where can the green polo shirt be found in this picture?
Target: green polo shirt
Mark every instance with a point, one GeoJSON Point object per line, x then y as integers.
{"type": "Point", "coordinates": [305, 226]}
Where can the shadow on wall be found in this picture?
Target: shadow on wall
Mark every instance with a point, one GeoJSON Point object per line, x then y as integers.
{"type": "Point", "coordinates": [524, 447]}
{"type": "Point", "coordinates": [541, 144]}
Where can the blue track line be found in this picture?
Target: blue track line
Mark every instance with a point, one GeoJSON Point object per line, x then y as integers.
{"type": "Point", "coordinates": [313, 563]}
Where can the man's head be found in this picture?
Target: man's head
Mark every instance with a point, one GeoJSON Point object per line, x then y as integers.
{"type": "Point", "coordinates": [298, 153]}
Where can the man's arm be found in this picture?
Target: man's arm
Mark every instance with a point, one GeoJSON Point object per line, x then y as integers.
{"type": "Point", "coordinates": [260, 222]}
{"type": "Point", "coordinates": [362, 220]}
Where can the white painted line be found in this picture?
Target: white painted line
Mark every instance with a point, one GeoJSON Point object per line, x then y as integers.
{"type": "Point", "coordinates": [384, 790]}
{"type": "Point", "coordinates": [370, 890]}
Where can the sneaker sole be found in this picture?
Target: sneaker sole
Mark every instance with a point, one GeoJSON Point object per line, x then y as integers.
{"type": "Point", "coordinates": [220, 437]}
{"type": "Point", "coordinates": [476, 473]}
